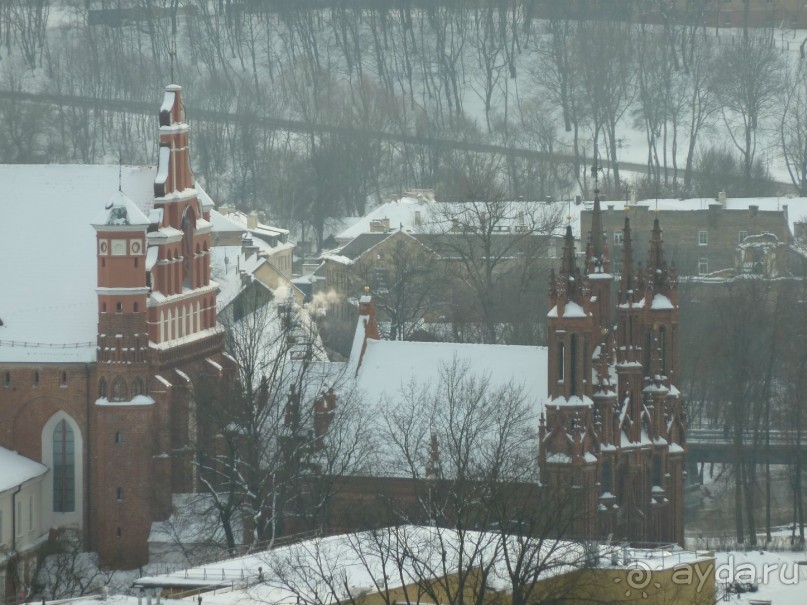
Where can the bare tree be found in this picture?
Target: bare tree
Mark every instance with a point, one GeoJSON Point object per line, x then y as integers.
{"type": "Point", "coordinates": [495, 243]}
{"type": "Point", "coordinates": [408, 283]}
{"type": "Point", "coordinates": [793, 128]}
{"type": "Point", "coordinates": [29, 22]}
{"type": "Point", "coordinates": [747, 79]}
{"type": "Point", "coordinates": [66, 570]}
{"type": "Point", "coordinates": [272, 464]}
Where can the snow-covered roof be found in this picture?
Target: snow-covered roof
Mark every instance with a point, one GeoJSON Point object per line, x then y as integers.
{"type": "Point", "coordinates": [796, 206]}
{"type": "Point", "coordinates": [388, 366]}
{"type": "Point", "coordinates": [120, 211]}
{"type": "Point", "coordinates": [17, 469]}
{"type": "Point", "coordinates": [242, 219]}
{"type": "Point", "coordinates": [48, 303]}
{"type": "Point", "coordinates": [226, 265]}
{"type": "Point", "coordinates": [420, 216]}
{"type": "Point", "coordinates": [223, 224]}
{"type": "Point", "coordinates": [394, 557]}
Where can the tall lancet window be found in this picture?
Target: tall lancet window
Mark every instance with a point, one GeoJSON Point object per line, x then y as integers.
{"type": "Point", "coordinates": [64, 468]}
{"type": "Point", "coordinates": [188, 225]}
{"type": "Point", "coordinates": [573, 367]}
{"type": "Point", "coordinates": [561, 362]}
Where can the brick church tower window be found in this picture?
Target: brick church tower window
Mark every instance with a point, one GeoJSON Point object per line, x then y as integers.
{"type": "Point", "coordinates": [102, 387]}
{"type": "Point", "coordinates": [573, 367]}
{"type": "Point", "coordinates": [119, 390]}
{"type": "Point", "coordinates": [137, 387]}
{"type": "Point", "coordinates": [561, 360]}
{"type": "Point", "coordinates": [605, 481]}
{"type": "Point", "coordinates": [64, 468]}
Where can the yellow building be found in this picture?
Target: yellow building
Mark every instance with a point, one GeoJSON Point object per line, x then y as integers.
{"type": "Point", "coordinates": [414, 564]}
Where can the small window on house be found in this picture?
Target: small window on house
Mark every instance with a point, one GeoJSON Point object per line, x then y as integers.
{"type": "Point", "coordinates": [619, 237]}
{"type": "Point", "coordinates": [136, 262]}
{"type": "Point", "coordinates": [36, 378]}
{"type": "Point", "coordinates": [741, 236]}
{"type": "Point", "coordinates": [64, 379]}
{"type": "Point", "coordinates": [703, 266]}
{"type": "Point", "coordinates": [135, 307]}
{"type": "Point", "coordinates": [103, 307]}
{"type": "Point", "coordinates": [703, 238]}
{"type": "Point", "coordinates": [118, 437]}
{"type": "Point", "coordinates": [119, 307]}
{"type": "Point", "coordinates": [103, 262]}
{"type": "Point", "coordinates": [119, 494]}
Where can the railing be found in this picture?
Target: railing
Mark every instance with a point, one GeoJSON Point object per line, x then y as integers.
{"type": "Point", "coordinates": [66, 345]}
{"type": "Point", "coordinates": [720, 437]}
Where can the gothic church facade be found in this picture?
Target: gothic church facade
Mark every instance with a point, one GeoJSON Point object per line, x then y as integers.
{"type": "Point", "coordinates": [117, 427]}
{"type": "Point", "coordinates": [613, 433]}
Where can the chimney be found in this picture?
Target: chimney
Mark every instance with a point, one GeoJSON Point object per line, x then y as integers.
{"type": "Point", "coordinates": [721, 198]}
{"type": "Point", "coordinates": [252, 220]}
{"type": "Point", "coordinates": [754, 209]}
{"type": "Point", "coordinates": [367, 315]}
{"type": "Point", "coordinates": [324, 410]}
{"type": "Point", "coordinates": [633, 198]}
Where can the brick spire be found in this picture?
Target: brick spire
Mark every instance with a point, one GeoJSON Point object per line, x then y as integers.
{"type": "Point", "coordinates": [626, 285]}
{"type": "Point", "coordinates": [596, 254]}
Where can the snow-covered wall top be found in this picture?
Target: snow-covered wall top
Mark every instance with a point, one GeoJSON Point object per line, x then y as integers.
{"type": "Point", "coordinates": [49, 273]}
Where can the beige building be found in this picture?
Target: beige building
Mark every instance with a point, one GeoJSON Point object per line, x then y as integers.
{"type": "Point", "coordinates": [24, 518]}
{"type": "Point", "coordinates": [702, 235]}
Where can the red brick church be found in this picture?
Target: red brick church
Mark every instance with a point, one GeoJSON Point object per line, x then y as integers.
{"type": "Point", "coordinates": [614, 428]}
{"type": "Point", "coordinates": [96, 365]}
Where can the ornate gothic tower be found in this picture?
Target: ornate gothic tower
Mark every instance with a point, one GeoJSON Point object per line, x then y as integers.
{"type": "Point", "coordinates": [183, 301]}
{"type": "Point", "coordinates": [121, 500]}
{"type": "Point", "coordinates": [568, 441]}
{"type": "Point", "coordinates": [156, 328]}
{"type": "Point", "coordinates": [614, 425]}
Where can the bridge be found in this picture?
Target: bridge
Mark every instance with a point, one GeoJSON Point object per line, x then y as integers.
{"type": "Point", "coordinates": [716, 445]}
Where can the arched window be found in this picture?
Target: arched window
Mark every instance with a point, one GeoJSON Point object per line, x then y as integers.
{"type": "Point", "coordinates": [36, 378]}
{"type": "Point", "coordinates": [137, 387]}
{"type": "Point", "coordinates": [662, 350]}
{"type": "Point", "coordinates": [606, 482]}
{"type": "Point", "coordinates": [64, 379]}
{"type": "Point", "coordinates": [118, 437]}
{"type": "Point", "coordinates": [573, 366]}
{"type": "Point", "coordinates": [561, 362]}
{"type": "Point", "coordinates": [64, 468]}
{"type": "Point", "coordinates": [119, 390]}
{"type": "Point", "coordinates": [656, 470]}
{"type": "Point", "coordinates": [102, 387]}
{"type": "Point", "coordinates": [7, 379]}
{"type": "Point", "coordinates": [119, 494]}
